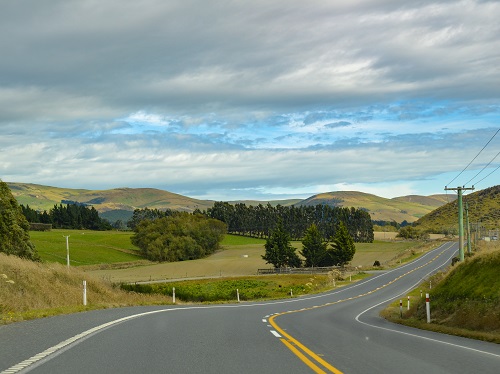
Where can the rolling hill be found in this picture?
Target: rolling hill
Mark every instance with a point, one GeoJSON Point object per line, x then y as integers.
{"type": "Point", "coordinates": [399, 209]}
{"type": "Point", "coordinates": [119, 203]}
{"type": "Point", "coordinates": [484, 212]}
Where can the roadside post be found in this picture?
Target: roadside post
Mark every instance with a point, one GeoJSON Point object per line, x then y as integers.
{"type": "Point", "coordinates": [173, 295]}
{"type": "Point", "coordinates": [401, 308]}
{"type": "Point", "coordinates": [408, 303]}
{"type": "Point", "coordinates": [84, 292]}
{"type": "Point", "coordinates": [428, 307]}
{"type": "Point", "coordinates": [238, 295]}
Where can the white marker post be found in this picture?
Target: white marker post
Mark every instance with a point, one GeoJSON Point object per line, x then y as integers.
{"type": "Point", "coordinates": [428, 307]}
{"type": "Point", "coordinates": [291, 292]}
{"type": "Point", "coordinates": [67, 250]}
{"type": "Point", "coordinates": [84, 293]}
{"type": "Point", "coordinates": [173, 295]}
{"type": "Point", "coordinates": [238, 295]}
{"type": "Point", "coordinates": [401, 308]}
{"type": "Point", "coordinates": [408, 302]}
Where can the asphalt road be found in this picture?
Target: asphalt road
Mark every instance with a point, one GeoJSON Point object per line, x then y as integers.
{"type": "Point", "coordinates": [339, 331]}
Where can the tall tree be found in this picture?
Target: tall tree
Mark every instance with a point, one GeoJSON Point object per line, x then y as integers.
{"type": "Point", "coordinates": [279, 251]}
{"type": "Point", "coordinates": [313, 247]}
{"type": "Point", "coordinates": [342, 248]}
{"type": "Point", "coordinates": [14, 228]}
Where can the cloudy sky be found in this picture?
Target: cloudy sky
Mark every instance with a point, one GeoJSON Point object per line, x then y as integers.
{"type": "Point", "coordinates": [251, 99]}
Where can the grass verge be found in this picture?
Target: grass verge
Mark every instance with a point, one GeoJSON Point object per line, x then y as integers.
{"type": "Point", "coordinates": [249, 288]}
{"type": "Point", "coordinates": [464, 300]}
{"type": "Point", "coordinates": [31, 290]}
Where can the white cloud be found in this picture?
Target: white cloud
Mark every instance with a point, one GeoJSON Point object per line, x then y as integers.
{"type": "Point", "coordinates": [266, 98]}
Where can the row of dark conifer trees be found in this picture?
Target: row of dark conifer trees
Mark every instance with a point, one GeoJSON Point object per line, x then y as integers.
{"type": "Point", "coordinates": [261, 220]}
{"type": "Point", "coordinates": [69, 216]}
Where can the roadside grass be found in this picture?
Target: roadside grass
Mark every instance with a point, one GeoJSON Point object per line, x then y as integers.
{"type": "Point", "coordinates": [249, 288]}
{"type": "Point", "coordinates": [464, 299]}
{"type": "Point", "coordinates": [31, 290]}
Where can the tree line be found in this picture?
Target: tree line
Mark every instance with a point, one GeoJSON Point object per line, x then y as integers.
{"type": "Point", "coordinates": [260, 220]}
{"type": "Point", "coordinates": [69, 216]}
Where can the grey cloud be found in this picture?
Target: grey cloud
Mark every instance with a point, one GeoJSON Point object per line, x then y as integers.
{"type": "Point", "coordinates": [335, 125]}
{"type": "Point", "coordinates": [72, 72]}
{"type": "Point", "coordinates": [183, 55]}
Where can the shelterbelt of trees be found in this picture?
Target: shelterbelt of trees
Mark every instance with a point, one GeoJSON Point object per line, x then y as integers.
{"type": "Point", "coordinates": [69, 216]}
{"type": "Point", "coordinates": [260, 221]}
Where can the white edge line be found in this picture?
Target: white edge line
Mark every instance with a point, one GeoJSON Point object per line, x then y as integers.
{"type": "Point", "coordinates": [414, 335]}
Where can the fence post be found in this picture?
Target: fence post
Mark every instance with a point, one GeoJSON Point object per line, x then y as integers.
{"type": "Point", "coordinates": [84, 292]}
{"type": "Point", "coordinates": [173, 295]}
{"type": "Point", "coordinates": [428, 307]}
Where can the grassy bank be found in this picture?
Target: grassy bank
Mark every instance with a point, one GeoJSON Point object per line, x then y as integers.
{"type": "Point", "coordinates": [33, 290]}
{"type": "Point", "coordinates": [465, 300]}
{"type": "Point", "coordinates": [248, 288]}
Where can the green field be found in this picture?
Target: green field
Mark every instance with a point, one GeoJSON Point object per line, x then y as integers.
{"type": "Point", "coordinates": [104, 252]}
{"type": "Point", "coordinates": [85, 247]}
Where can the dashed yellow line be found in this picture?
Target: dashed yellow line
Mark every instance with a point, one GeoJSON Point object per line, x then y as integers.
{"type": "Point", "coordinates": [302, 352]}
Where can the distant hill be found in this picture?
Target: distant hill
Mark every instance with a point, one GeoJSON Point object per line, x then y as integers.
{"type": "Point", "coordinates": [484, 211]}
{"type": "Point", "coordinates": [119, 203]}
{"type": "Point", "coordinates": [399, 209]}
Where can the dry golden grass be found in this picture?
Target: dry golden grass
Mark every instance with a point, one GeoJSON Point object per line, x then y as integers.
{"type": "Point", "coordinates": [31, 290]}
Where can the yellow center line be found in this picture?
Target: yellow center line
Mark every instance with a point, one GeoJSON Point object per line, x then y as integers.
{"type": "Point", "coordinates": [294, 345]}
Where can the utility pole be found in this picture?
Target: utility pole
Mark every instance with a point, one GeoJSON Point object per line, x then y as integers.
{"type": "Point", "coordinates": [469, 251]}
{"type": "Point", "coordinates": [460, 218]}
{"type": "Point", "coordinates": [67, 250]}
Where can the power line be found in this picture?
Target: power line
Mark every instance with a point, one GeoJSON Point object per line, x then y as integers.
{"type": "Point", "coordinates": [498, 167]}
{"type": "Point", "coordinates": [488, 164]}
{"type": "Point", "coordinates": [474, 159]}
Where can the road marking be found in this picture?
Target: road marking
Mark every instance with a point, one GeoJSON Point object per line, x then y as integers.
{"type": "Point", "coordinates": [304, 359]}
{"type": "Point", "coordinates": [297, 347]}
{"type": "Point", "coordinates": [275, 334]}
{"type": "Point", "coordinates": [86, 334]}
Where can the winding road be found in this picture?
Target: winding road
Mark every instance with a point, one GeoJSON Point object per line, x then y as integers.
{"type": "Point", "coordinates": [334, 332]}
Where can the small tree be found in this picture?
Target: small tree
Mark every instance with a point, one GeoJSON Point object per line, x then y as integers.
{"type": "Point", "coordinates": [313, 247]}
{"type": "Point", "coordinates": [14, 228]}
{"type": "Point", "coordinates": [342, 248]}
{"type": "Point", "coordinates": [412, 233]}
{"type": "Point", "coordinates": [279, 251]}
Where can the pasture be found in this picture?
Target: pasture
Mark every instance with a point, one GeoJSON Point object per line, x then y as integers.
{"type": "Point", "coordinates": [111, 255]}
{"type": "Point", "coordinates": [85, 247]}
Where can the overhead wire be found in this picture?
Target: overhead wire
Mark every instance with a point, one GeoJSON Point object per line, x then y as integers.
{"type": "Point", "coordinates": [488, 164]}
{"type": "Point", "coordinates": [459, 174]}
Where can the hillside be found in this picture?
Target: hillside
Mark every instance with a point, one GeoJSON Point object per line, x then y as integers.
{"type": "Point", "coordinates": [119, 203]}
{"type": "Point", "coordinates": [484, 212]}
{"type": "Point", "coordinates": [465, 300]}
{"type": "Point", "coordinates": [44, 198]}
{"type": "Point", "coordinates": [399, 209]}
